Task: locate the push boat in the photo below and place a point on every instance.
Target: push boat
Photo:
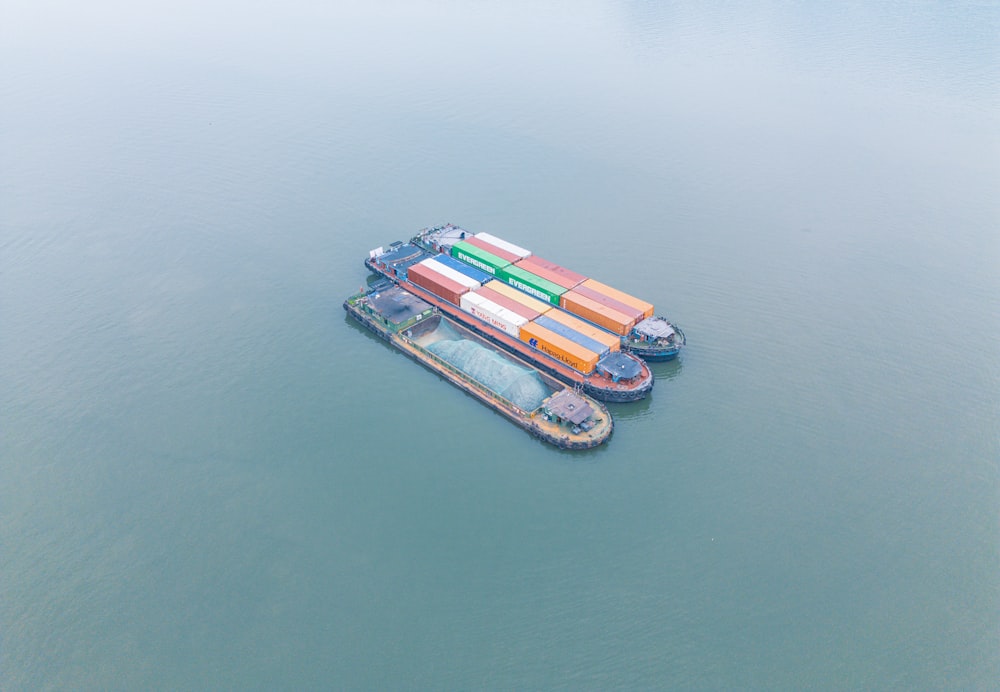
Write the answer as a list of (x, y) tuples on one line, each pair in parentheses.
[(552, 340), (643, 333), (539, 404)]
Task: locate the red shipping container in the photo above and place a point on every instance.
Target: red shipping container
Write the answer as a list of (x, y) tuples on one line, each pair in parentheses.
[(560, 276), (493, 249), (436, 283)]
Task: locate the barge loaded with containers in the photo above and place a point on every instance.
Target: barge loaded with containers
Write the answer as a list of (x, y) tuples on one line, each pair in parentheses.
[(539, 404), (641, 332), (554, 341)]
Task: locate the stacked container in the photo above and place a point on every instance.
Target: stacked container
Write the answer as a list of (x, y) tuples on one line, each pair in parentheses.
[(499, 247), (576, 337), (617, 296), (532, 284), (478, 257), (442, 281), (558, 275), (598, 313), (521, 297), (479, 275), (502, 300), (493, 313), (559, 347), (606, 339)]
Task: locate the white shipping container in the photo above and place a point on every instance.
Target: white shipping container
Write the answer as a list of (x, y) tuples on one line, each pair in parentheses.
[(445, 270), (503, 245), (491, 313)]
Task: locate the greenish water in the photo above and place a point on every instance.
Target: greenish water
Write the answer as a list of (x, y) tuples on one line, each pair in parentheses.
[(211, 478)]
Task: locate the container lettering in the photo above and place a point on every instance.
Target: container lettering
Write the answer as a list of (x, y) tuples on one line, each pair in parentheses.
[(476, 263)]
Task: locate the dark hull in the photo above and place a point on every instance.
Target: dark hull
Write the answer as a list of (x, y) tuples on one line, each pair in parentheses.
[(517, 417)]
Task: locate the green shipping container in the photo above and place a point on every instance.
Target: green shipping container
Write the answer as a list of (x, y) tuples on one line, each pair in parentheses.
[(531, 283), (481, 259)]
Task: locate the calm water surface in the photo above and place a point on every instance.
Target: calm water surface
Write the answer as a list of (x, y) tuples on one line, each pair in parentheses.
[(209, 478)]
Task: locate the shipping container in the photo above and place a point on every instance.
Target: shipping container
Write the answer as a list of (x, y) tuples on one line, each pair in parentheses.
[(492, 313), (479, 275), (492, 249), (470, 254), (550, 270), (436, 283), (559, 347), (520, 296), (609, 340), (633, 312), (511, 304), (597, 313), (456, 276), (571, 334), (531, 283), (647, 308), (503, 245)]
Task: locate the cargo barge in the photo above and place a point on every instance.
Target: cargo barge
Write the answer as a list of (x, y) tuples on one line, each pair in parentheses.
[(647, 335), (552, 340), (556, 415)]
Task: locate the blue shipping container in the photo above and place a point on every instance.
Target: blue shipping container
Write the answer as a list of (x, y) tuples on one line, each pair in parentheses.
[(573, 335), (467, 269)]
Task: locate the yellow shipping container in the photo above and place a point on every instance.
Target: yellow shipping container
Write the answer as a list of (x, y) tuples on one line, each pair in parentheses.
[(586, 328), (559, 347), (523, 298), (647, 308)]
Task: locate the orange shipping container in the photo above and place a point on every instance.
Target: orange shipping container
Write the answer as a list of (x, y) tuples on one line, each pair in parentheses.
[(596, 312), (586, 328), (634, 313), (520, 296), (559, 347), (647, 308)]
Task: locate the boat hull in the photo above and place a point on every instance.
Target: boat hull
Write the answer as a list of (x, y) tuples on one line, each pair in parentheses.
[(428, 240), (538, 428), (602, 389)]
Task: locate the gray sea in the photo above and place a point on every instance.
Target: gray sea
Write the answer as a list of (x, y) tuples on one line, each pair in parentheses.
[(211, 479)]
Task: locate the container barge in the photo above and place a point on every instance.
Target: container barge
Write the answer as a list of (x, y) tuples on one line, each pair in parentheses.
[(552, 340), (647, 335), (554, 414)]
